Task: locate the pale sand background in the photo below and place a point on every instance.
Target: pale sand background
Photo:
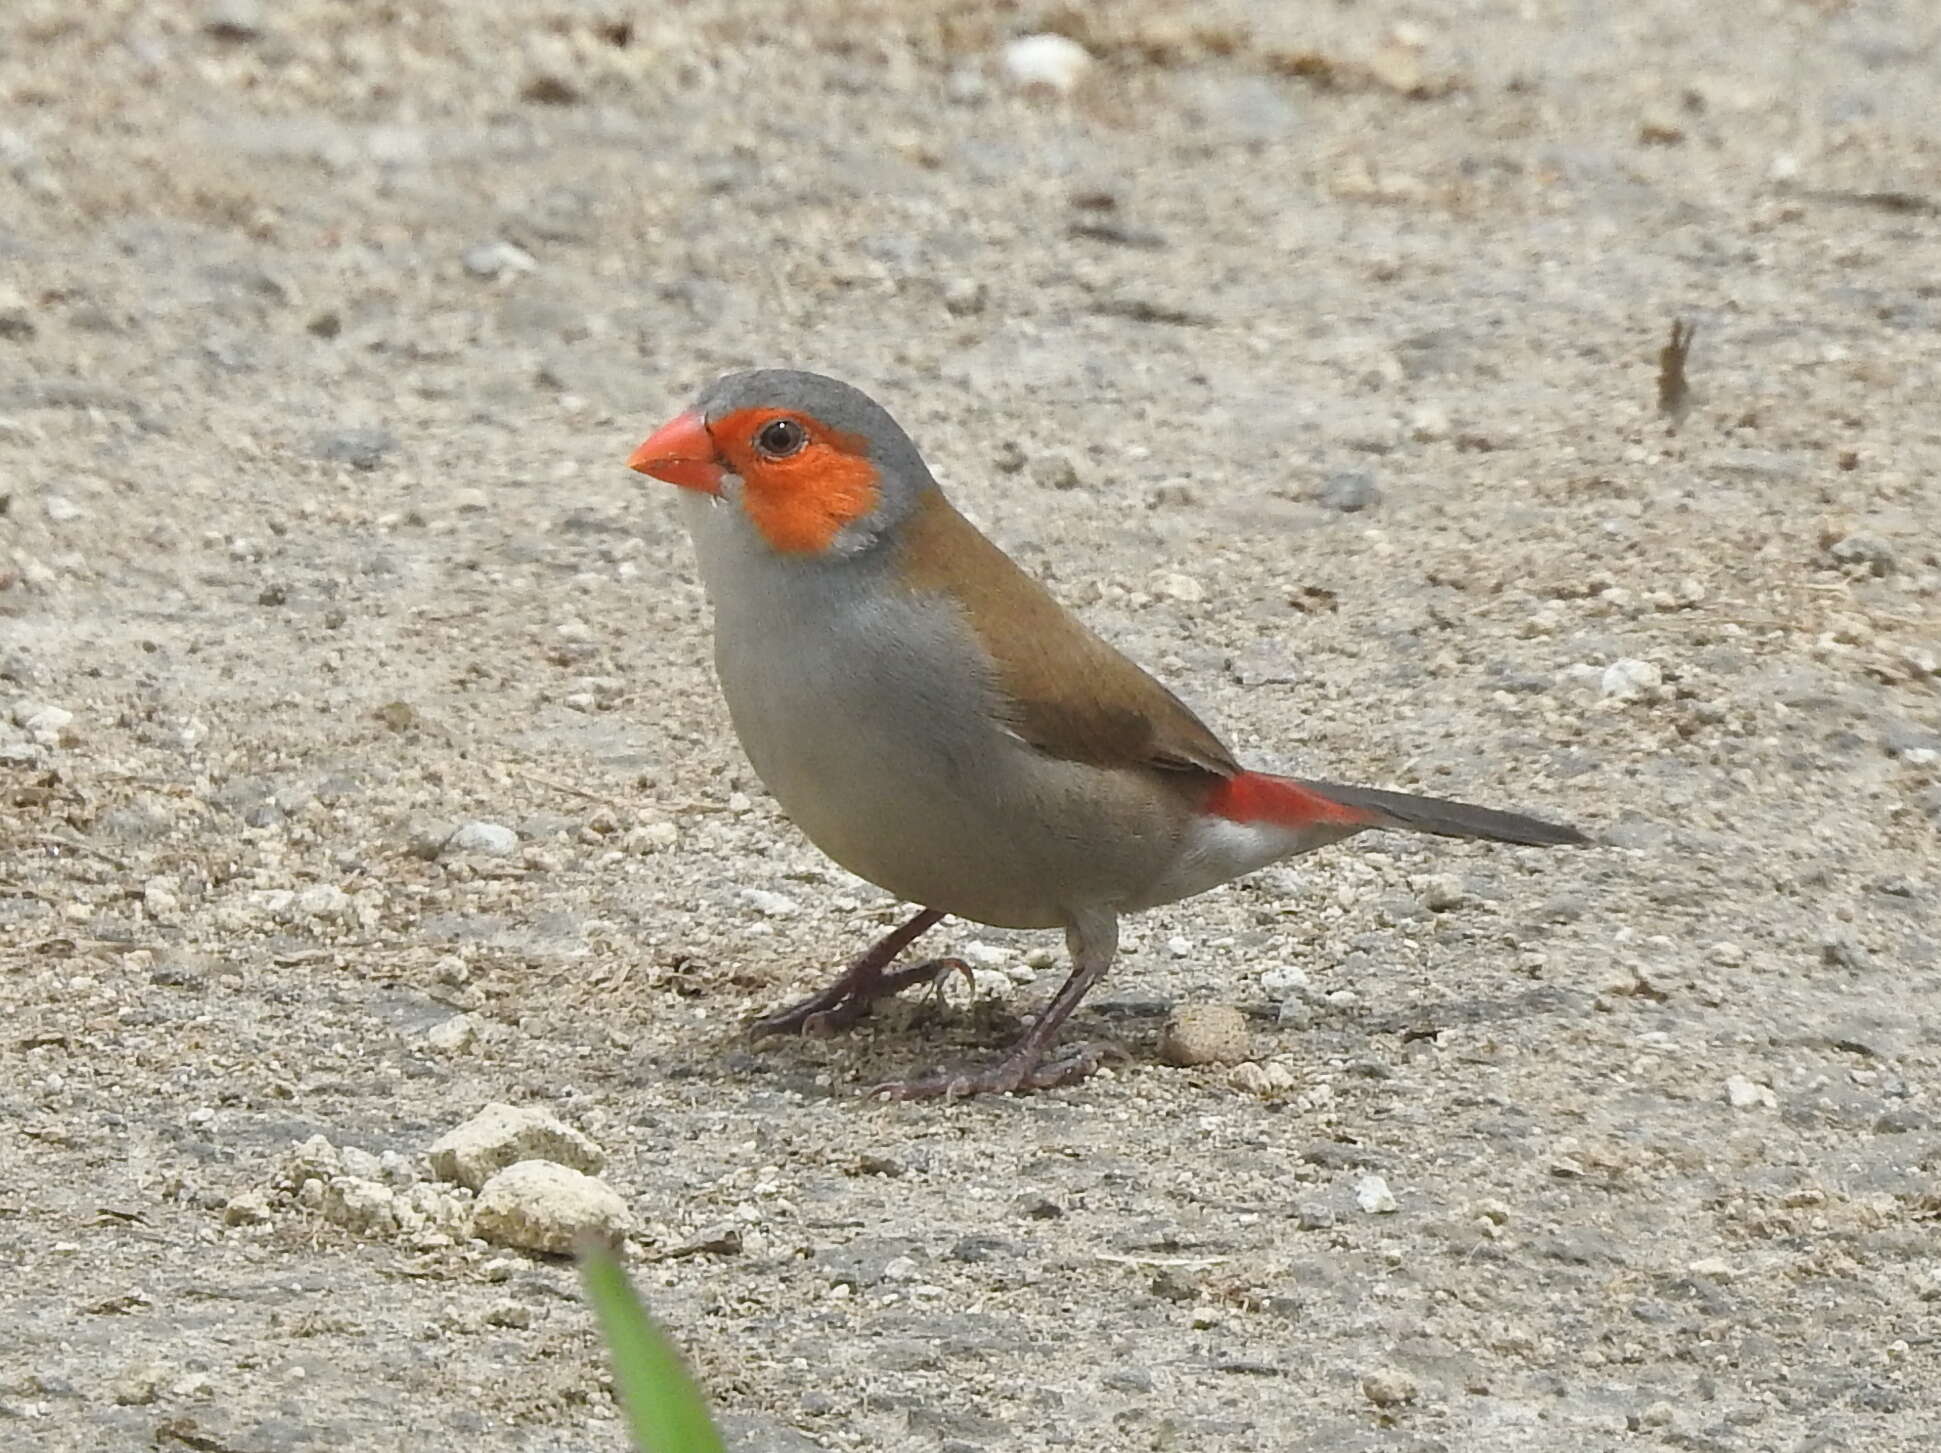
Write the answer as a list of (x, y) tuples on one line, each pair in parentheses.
[(287, 438)]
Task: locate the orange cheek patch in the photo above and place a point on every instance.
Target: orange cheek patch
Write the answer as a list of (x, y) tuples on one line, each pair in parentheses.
[(800, 504)]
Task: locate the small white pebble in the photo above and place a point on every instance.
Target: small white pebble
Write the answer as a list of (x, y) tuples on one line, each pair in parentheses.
[(395, 1166), (1263, 1080), (488, 839), (770, 905), (324, 900), (1283, 979), (454, 1035), (1052, 61), (653, 837), (42, 722), (1180, 587), (1429, 423), (990, 983), (1744, 1094), (1373, 1196), (1629, 678), (497, 259), (1440, 892)]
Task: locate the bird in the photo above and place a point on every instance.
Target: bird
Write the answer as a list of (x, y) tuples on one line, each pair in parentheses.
[(936, 722)]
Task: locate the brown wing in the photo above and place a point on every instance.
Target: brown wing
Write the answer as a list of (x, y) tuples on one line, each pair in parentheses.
[(1071, 695)]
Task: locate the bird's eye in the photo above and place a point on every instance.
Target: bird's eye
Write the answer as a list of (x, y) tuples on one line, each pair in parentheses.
[(779, 438)]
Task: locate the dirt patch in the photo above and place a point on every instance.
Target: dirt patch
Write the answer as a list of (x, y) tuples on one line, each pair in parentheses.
[(360, 764)]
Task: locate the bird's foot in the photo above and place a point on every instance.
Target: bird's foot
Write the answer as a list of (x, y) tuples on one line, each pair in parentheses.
[(1022, 1070), (849, 999)]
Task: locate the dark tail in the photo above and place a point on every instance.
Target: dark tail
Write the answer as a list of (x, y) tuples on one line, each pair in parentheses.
[(1450, 819)]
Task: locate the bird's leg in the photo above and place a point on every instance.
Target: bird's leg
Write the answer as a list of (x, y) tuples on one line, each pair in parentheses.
[(1092, 940), (863, 982)]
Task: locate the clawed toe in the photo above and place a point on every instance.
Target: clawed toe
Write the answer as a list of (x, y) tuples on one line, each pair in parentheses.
[(1080, 1062), (815, 1017), (1029, 1066), (849, 998), (845, 1002)]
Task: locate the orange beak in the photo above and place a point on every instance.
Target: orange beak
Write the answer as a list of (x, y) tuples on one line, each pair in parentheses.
[(681, 452)]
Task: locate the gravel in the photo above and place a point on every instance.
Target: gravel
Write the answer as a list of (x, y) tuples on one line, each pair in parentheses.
[(325, 332)]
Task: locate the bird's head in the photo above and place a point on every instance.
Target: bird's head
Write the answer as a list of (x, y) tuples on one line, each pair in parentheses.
[(818, 467)]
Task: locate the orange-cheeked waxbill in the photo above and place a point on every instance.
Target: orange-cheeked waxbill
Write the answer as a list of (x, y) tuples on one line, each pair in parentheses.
[(938, 724)]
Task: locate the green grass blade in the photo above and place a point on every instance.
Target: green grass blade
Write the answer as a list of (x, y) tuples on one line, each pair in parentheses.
[(664, 1409)]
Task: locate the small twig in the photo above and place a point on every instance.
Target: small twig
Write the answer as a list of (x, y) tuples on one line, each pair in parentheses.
[(1162, 1261), (1674, 392), (569, 789), (75, 844), (610, 980), (1884, 201), (153, 784), (1751, 623)]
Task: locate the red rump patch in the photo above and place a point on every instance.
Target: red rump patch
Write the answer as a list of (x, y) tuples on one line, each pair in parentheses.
[(1257, 797)]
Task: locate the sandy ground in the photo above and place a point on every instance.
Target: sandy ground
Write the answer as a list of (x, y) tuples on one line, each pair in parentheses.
[(324, 329)]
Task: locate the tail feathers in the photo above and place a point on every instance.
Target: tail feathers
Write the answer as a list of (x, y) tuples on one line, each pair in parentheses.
[(1439, 816), (1252, 819)]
